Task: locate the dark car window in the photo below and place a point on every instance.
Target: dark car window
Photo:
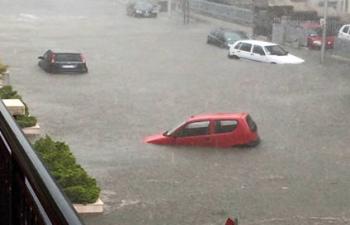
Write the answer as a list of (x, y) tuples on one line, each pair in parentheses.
[(311, 32), (319, 32), (251, 123), (224, 126), (346, 29), (144, 5), (194, 129), (218, 34), (63, 57), (213, 32), (238, 45), (46, 55), (258, 50), (275, 50), (246, 47), (232, 37)]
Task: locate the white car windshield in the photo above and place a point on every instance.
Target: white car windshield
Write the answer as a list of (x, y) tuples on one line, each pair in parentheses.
[(275, 50)]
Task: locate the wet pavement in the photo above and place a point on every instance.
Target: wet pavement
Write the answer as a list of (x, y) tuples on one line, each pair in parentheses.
[(146, 75)]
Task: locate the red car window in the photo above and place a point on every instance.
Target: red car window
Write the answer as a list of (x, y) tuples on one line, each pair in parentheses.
[(251, 123), (225, 126), (194, 129)]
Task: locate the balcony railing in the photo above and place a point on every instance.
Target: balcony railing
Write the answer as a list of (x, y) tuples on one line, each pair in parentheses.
[(28, 194)]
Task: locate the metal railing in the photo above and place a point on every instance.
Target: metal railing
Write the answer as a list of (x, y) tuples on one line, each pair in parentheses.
[(28, 194), (224, 12)]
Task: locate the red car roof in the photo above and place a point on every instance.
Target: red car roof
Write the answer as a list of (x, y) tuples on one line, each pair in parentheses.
[(211, 116), (310, 25)]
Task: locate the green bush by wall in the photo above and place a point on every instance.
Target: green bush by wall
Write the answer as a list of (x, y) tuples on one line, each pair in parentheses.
[(25, 120), (3, 68), (59, 160)]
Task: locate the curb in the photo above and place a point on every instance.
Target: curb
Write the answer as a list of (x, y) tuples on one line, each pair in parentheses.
[(93, 208)]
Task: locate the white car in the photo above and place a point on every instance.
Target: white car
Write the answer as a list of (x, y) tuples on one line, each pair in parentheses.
[(263, 52), (344, 32)]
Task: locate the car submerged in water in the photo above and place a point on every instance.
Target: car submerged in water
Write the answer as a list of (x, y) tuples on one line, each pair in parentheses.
[(62, 62), (262, 51), (211, 130), (224, 37), (142, 8)]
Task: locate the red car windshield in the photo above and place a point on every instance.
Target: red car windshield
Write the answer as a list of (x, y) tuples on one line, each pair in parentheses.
[(318, 32), (172, 131)]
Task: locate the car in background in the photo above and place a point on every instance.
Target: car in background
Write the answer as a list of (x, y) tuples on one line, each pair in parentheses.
[(142, 8), (262, 51), (211, 130), (62, 62), (224, 37), (314, 34), (344, 32)]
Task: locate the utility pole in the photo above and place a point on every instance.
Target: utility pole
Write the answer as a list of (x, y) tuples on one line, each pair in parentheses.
[(169, 8), (324, 29), (186, 11)]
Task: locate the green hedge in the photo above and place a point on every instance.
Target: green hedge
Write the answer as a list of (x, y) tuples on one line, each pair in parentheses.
[(3, 68), (59, 160), (7, 92), (25, 120)]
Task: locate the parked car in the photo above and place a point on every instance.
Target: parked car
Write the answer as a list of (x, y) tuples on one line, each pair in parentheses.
[(224, 37), (262, 52), (213, 130), (314, 34), (142, 8), (62, 62), (344, 32)]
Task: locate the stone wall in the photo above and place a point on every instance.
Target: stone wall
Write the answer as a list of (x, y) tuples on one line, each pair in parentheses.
[(224, 12)]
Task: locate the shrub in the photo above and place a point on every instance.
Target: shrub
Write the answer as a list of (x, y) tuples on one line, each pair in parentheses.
[(3, 68), (7, 92), (25, 120), (59, 160)]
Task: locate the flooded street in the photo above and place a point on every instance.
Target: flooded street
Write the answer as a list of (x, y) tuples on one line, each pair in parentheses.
[(147, 75)]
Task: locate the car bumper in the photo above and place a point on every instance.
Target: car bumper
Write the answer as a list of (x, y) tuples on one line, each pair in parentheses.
[(254, 142), (145, 14), (80, 68), (319, 46)]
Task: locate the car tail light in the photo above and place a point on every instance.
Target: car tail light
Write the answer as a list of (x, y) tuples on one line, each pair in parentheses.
[(82, 58), (53, 58)]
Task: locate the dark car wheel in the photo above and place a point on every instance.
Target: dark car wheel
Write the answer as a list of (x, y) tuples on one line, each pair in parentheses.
[(232, 56), (253, 143)]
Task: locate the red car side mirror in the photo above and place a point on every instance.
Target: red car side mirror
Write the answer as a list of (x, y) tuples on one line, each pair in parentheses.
[(229, 221)]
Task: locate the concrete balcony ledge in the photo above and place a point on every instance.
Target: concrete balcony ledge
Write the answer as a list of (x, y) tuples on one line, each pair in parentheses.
[(34, 130), (93, 208), (14, 106), (4, 79)]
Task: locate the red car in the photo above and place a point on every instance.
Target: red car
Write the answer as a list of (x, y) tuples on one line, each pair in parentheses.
[(212, 130), (314, 36)]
